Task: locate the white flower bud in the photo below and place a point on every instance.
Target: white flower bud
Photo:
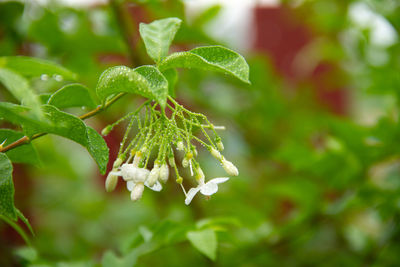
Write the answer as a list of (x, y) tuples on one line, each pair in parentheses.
[(111, 182), (171, 161), (137, 191), (215, 153), (185, 162), (180, 146), (220, 145), (229, 167), (153, 176), (164, 173), (141, 175), (117, 163)]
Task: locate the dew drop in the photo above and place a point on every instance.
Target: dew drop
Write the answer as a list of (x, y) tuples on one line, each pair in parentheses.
[(58, 77), (44, 77)]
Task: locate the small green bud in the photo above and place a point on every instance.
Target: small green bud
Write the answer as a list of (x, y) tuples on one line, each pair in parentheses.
[(189, 155), (220, 146), (194, 150), (179, 180), (106, 130)]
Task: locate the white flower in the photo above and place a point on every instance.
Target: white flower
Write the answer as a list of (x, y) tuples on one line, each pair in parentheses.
[(207, 189), (229, 167), (136, 179), (127, 171), (156, 187)]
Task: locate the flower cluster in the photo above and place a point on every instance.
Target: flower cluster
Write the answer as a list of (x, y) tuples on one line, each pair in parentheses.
[(155, 136)]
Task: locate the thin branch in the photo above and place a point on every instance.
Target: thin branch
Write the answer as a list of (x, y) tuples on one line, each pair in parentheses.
[(125, 25), (26, 139)]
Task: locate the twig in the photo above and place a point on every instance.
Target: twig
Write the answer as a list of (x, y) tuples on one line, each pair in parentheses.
[(125, 25)]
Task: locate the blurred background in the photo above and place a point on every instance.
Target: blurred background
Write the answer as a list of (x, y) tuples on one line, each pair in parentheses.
[(316, 136)]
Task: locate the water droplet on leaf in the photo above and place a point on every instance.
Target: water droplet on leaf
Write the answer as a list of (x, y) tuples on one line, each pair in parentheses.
[(44, 77)]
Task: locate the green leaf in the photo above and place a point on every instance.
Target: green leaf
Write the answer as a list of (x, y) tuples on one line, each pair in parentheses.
[(25, 220), (28, 254), (34, 67), (73, 128), (72, 95), (158, 36), (204, 241), (44, 98), (98, 148), (214, 58), (19, 115), (121, 79), (146, 81), (207, 15), (21, 154), (62, 124), (7, 208), (157, 82), (111, 260), (20, 89)]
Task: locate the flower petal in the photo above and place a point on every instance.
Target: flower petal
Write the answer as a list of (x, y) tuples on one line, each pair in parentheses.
[(156, 187), (219, 180), (209, 188), (130, 185), (128, 171), (190, 195), (141, 175)]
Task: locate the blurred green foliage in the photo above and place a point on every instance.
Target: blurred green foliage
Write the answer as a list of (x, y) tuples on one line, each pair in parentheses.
[(315, 188)]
